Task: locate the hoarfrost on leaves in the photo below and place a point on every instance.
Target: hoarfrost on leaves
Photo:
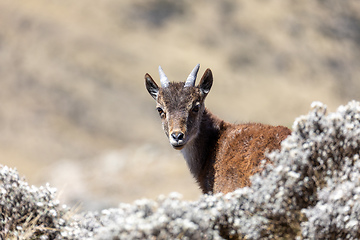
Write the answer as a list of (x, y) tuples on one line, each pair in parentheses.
[(27, 210)]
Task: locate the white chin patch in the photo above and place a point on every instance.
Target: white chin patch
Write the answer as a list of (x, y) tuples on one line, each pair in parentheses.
[(178, 145)]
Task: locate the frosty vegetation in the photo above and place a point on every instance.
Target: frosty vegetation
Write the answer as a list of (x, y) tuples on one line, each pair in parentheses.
[(312, 191)]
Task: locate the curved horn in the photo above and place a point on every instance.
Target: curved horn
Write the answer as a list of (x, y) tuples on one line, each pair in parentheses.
[(163, 78), (190, 81)]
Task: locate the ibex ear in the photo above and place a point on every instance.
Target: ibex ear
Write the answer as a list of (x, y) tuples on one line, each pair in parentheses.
[(151, 86), (206, 82)]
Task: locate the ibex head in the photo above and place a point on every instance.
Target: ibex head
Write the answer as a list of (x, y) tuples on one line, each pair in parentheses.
[(180, 105)]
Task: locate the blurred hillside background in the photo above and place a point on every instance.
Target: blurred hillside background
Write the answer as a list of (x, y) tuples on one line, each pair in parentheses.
[(74, 111)]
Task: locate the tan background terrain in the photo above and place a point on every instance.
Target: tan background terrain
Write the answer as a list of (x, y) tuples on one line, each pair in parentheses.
[(74, 111)]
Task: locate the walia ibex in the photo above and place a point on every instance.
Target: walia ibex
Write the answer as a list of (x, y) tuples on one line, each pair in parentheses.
[(220, 155)]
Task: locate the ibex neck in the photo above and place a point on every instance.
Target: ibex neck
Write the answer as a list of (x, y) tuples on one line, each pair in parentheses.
[(200, 152)]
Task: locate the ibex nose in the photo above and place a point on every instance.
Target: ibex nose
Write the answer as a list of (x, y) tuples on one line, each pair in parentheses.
[(177, 136)]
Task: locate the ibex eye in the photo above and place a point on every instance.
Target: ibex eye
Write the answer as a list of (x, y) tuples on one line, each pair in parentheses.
[(160, 111), (196, 108)]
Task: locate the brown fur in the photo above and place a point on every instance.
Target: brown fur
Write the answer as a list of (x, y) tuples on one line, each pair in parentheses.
[(220, 155), (240, 150)]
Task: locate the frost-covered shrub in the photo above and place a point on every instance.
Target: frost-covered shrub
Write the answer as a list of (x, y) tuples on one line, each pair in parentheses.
[(316, 171), (311, 191), (27, 212)]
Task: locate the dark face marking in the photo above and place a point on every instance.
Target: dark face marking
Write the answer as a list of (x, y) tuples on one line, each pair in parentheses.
[(180, 110)]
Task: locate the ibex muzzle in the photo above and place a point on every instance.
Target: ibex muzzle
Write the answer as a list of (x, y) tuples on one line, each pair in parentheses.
[(180, 105)]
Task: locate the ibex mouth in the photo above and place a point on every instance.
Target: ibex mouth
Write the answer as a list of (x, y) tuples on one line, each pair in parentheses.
[(178, 146)]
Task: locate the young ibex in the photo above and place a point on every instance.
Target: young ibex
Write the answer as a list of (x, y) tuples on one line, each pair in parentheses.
[(220, 155)]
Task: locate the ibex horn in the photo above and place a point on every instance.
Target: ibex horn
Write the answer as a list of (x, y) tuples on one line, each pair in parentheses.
[(163, 78), (190, 81)]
